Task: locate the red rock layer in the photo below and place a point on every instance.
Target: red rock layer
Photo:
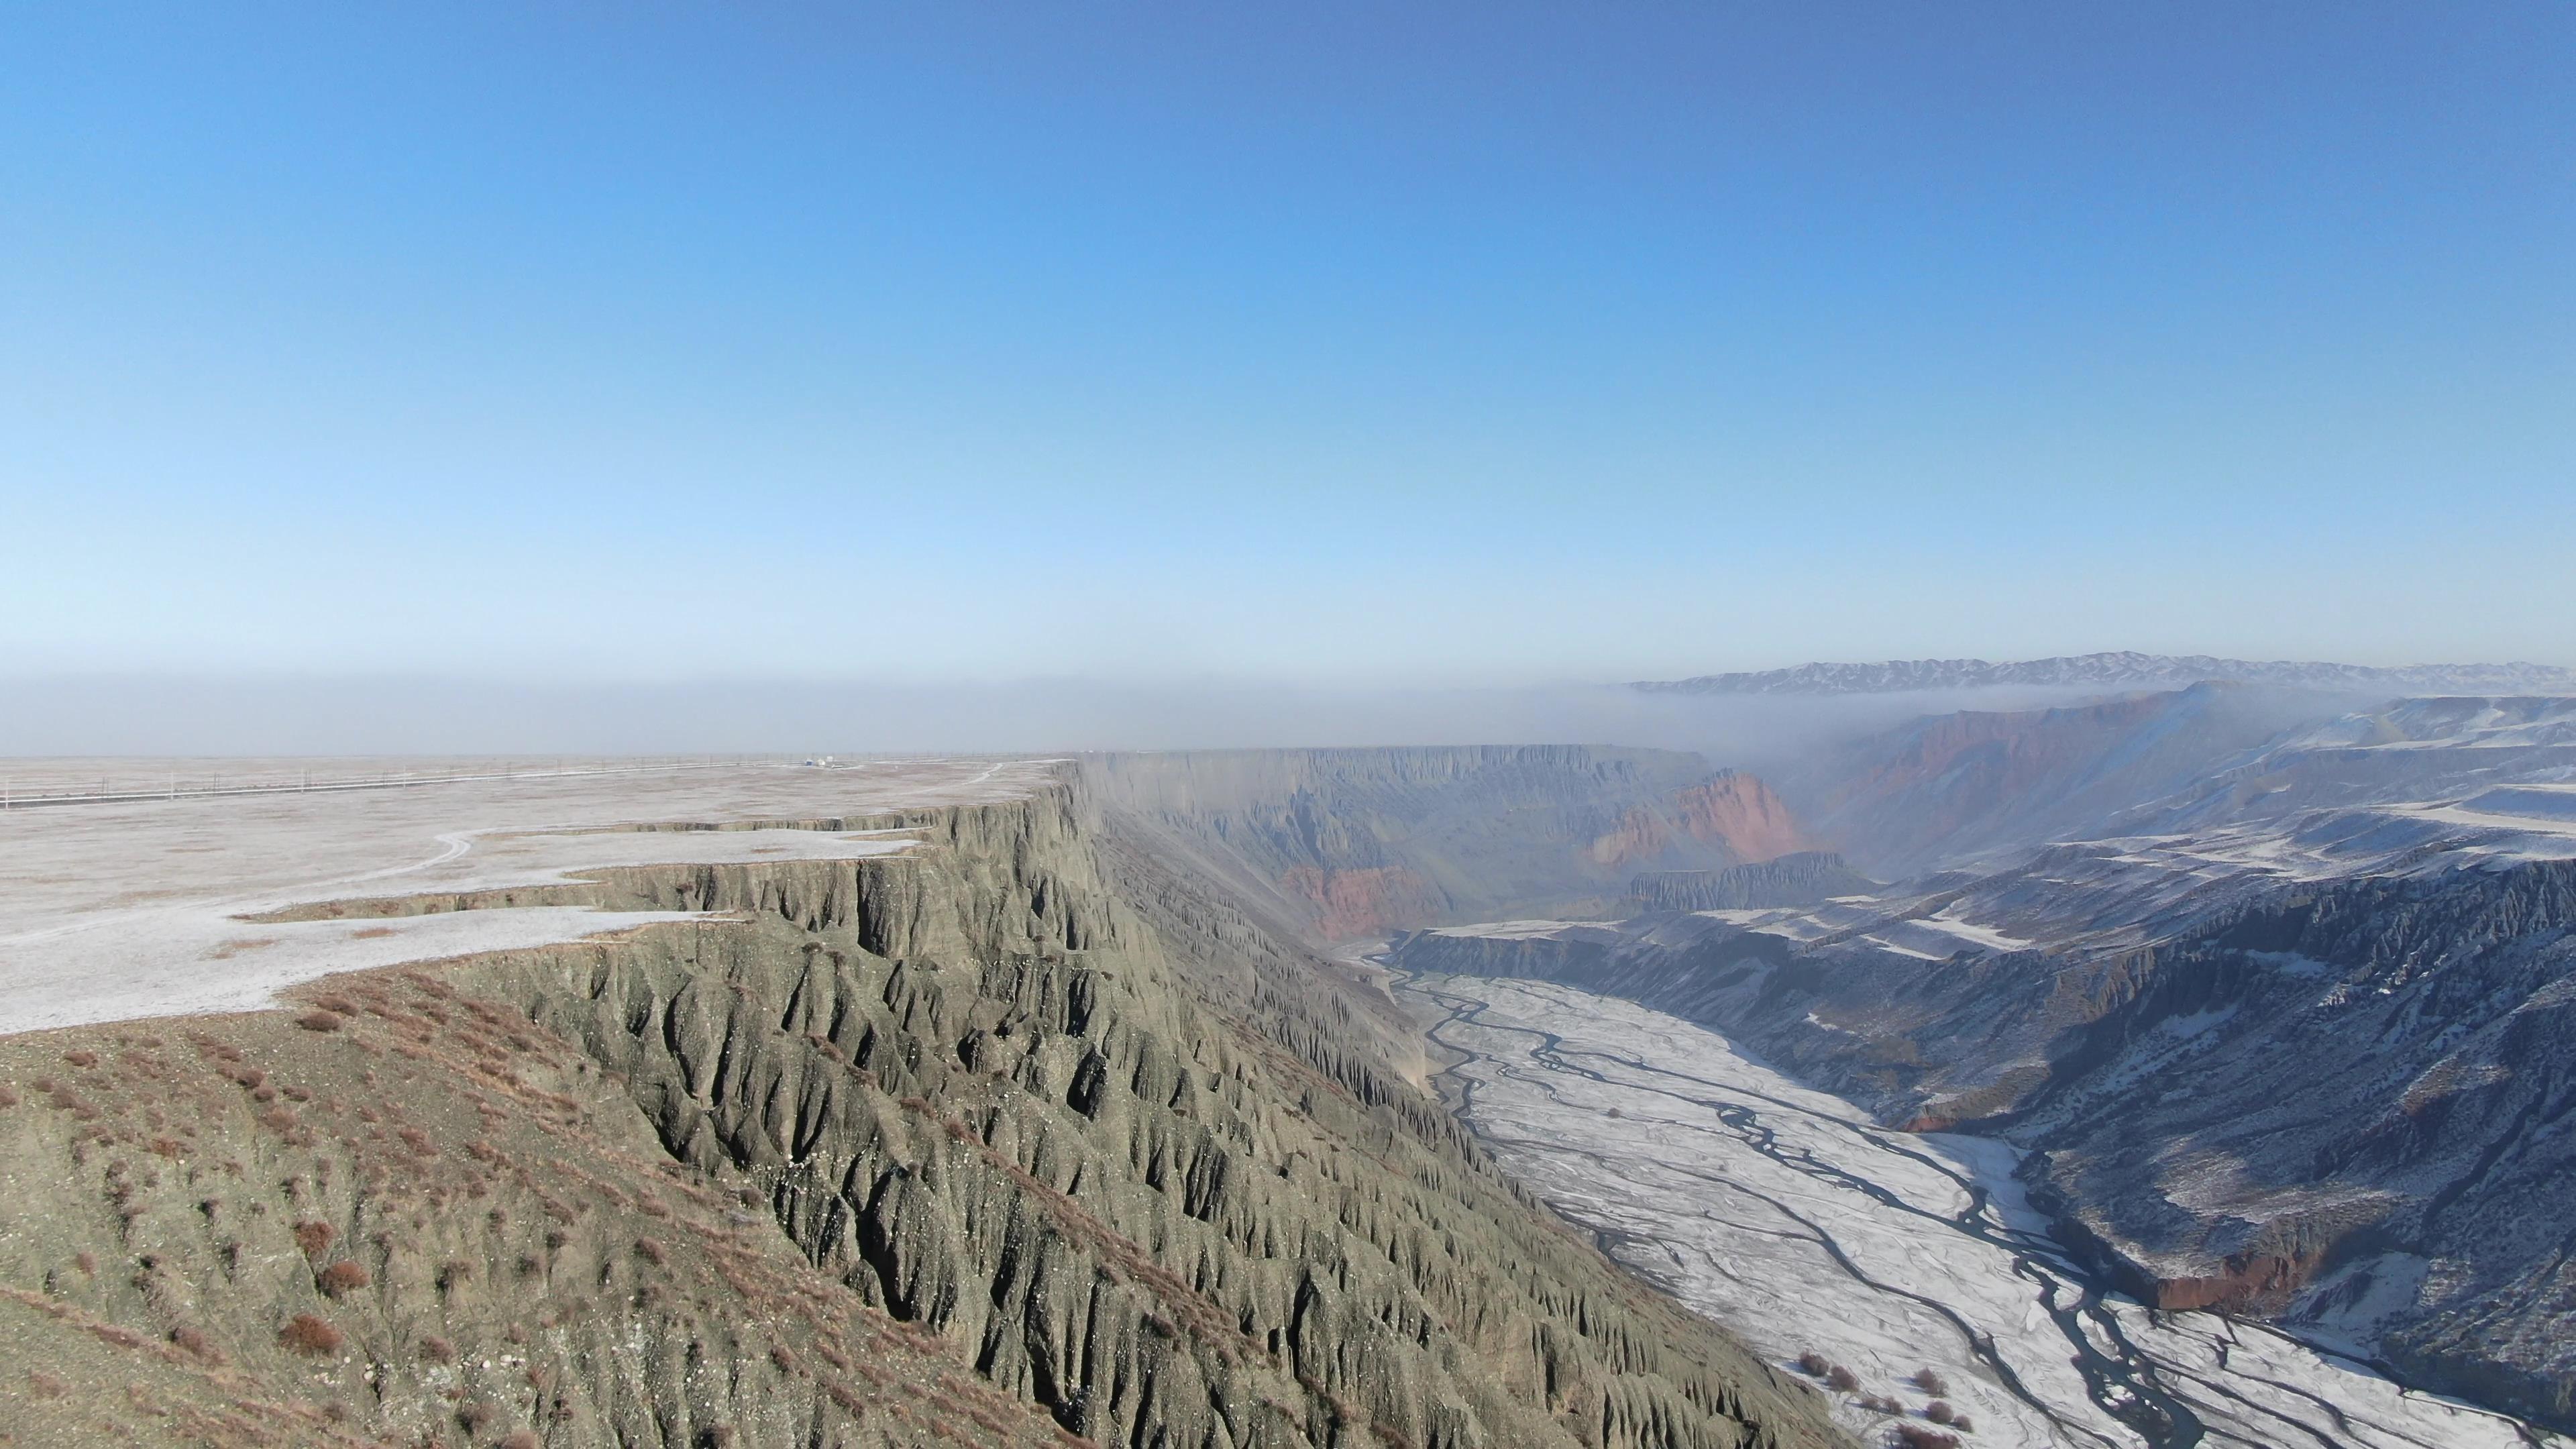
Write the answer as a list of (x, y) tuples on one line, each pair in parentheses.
[(1352, 904), (1735, 810)]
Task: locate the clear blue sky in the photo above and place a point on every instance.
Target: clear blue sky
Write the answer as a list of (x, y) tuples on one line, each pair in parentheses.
[(1308, 340)]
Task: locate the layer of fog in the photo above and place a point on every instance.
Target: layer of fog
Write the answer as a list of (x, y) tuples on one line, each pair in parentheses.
[(210, 716)]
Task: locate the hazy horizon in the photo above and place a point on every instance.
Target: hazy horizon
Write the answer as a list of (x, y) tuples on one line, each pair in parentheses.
[(170, 716)]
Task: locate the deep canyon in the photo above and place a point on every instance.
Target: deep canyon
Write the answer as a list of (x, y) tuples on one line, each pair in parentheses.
[(2150, 1071)]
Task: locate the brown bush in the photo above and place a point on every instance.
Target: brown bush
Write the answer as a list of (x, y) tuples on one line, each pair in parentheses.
[(1841, 1380), (318, 1020), (8, 1098), (521, 1439), (305, 1333), (1939, 1412), (650, 1250), (437, 1349), (1964, 1424), (341, 1004), (191, 1341), (1813, 1364), (1915, 1436), (45, 1386), (342, 1277), (784, 1357), (315, 1237), (82, 1058), (1931, 1383)]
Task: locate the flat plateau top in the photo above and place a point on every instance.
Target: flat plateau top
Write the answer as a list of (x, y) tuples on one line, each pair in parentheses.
[(137, 908)]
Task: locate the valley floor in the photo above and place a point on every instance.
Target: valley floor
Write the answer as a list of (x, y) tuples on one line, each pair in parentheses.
[(1789, 1215)]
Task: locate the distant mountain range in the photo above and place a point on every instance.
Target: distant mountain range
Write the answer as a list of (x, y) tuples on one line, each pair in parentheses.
[(2126, 670)]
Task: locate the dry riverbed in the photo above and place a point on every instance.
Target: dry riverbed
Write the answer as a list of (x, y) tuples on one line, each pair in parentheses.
[(1906, 1259)]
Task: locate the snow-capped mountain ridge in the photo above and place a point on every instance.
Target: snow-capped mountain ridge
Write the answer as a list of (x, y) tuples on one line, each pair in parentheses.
[(2126, 669)]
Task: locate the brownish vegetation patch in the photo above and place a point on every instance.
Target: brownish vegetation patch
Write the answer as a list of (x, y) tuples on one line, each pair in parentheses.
[(307, 1334)]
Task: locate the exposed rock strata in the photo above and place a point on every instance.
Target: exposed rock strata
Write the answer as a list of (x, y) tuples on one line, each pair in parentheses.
[(1800, 879), (1031, 1116), (1350, 843)]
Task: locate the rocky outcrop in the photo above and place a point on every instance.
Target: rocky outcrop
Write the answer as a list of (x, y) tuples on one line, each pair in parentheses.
[(1800, 879), (1031, 1119)]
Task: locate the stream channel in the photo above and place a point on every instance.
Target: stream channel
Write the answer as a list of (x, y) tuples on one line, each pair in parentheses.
[(1790, 1216)]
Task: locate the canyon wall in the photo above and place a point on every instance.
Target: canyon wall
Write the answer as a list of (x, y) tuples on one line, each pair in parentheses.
[(1349, 844), (1032, 1132)]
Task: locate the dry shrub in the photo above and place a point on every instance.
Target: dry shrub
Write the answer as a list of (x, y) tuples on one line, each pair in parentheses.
[(194, 1342), (342, 1277), (318, 1020), (1881, 1403), (45, 1386), (341, 1004), (1963, 1424), (305, 1333), (1931, 1383), (650, 1250), (1813, 1364), (86, 1263), (472, 1417), (1940, 1413), (8, 1098), (170, 1147), (783, 1356), (81, 1058), (521, 1439), (437, 1349), (315, 1237), (1841, 1380), (1915, 1436)]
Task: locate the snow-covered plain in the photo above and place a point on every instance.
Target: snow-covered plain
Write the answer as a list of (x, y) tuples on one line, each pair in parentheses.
[(153, 908), (1787, 1214)]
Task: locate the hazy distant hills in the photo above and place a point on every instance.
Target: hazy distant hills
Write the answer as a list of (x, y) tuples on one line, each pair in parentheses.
[(2126, 670)]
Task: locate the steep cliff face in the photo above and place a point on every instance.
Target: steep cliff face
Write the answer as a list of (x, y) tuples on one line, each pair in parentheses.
[(1029, 1124), (1348, 844)]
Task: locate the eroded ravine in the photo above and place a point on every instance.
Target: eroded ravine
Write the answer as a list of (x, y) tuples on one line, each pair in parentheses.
[(1790, 1215)]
